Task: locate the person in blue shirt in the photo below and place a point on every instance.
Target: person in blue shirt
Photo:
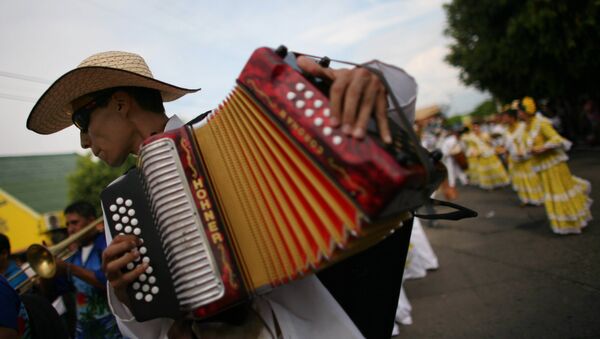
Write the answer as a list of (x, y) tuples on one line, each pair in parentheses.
[(94, 319), (13, 317), (8, 267)]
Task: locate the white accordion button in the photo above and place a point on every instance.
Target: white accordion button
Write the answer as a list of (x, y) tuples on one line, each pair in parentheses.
[(134, 221), (146, 288), (143, 250), (300, 87), (113, 207), (115, 217), (309, 112), (146, 259), (318, 121), (130, 266), (125, 219), (127, 229), (149, 270), (327, 112), (327, 130), (128, 202), (148, 297), (136, 285), (119, 201), (318, 103), (300, 103), (137, 231), (122, 210), (152, 279), (142, 277), (309, 94), (119, 227), (154, 290), (131, 212), (337, 140), (291, 95), (139, 296)]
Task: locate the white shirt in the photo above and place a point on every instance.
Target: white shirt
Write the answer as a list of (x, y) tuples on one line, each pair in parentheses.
[(304, 308)]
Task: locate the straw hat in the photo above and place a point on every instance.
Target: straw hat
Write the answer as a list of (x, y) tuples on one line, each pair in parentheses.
[(52, 112), (427, 112)]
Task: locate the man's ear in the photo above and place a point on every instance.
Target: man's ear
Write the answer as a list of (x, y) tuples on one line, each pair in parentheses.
[(122, 102)]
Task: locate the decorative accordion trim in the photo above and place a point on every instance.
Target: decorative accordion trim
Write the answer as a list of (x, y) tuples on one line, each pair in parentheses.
[(195, 275)]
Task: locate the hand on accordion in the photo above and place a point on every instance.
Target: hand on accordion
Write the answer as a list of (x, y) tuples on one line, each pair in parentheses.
[(354, 95), (121, 251)]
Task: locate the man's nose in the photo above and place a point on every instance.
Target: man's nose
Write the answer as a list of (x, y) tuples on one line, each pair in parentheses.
[(85, 140)]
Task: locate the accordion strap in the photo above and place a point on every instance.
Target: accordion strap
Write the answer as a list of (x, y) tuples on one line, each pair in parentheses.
[(460, 213)]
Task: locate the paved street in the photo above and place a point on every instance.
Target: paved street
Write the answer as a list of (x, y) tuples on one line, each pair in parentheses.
[(506, 275)]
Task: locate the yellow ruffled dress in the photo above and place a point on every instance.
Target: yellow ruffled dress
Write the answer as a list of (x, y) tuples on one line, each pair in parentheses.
[(525, 181), (566, 196), (485, 168)]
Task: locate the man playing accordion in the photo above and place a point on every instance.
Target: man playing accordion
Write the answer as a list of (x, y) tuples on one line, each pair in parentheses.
[(116, 103)]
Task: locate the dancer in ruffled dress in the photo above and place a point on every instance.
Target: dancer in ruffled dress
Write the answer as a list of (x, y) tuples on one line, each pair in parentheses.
[(525, 181), (566, 196), (485, 168)]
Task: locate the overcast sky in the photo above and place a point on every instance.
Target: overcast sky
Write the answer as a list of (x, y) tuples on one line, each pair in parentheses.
[(205, 44)]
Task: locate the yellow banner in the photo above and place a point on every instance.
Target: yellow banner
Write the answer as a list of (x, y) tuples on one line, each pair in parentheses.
[(22, 225)]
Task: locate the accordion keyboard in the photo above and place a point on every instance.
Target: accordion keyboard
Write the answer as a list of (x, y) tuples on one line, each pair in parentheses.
[(152, 203)]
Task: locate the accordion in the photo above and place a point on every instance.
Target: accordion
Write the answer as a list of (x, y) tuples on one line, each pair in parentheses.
[(260, 192)]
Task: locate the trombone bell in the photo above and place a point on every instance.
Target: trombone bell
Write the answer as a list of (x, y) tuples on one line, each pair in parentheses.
[(41, 261)]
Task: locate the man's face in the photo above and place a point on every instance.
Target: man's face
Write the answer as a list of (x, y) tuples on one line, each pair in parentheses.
[(75, 222), (109, 133)]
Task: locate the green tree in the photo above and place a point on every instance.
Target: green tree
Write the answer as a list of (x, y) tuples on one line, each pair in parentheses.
[(487, 107), (542, 48), (92, 176)]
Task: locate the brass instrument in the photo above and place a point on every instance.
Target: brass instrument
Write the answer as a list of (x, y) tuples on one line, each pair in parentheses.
[(42, 259)]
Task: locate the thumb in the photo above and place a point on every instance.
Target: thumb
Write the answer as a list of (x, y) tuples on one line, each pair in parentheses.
[(311, 67)]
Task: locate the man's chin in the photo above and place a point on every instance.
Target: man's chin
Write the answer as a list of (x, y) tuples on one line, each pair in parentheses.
[(114, 162)]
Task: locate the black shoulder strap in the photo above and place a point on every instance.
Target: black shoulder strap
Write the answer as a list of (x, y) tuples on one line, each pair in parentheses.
[(460, 213)]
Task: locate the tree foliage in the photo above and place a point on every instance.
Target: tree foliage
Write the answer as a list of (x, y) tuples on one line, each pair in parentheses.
[(91, 176), (484, 109), (513, 48)]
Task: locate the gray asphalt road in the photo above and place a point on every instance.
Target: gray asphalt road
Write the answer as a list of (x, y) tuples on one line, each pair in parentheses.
[(506, 275)]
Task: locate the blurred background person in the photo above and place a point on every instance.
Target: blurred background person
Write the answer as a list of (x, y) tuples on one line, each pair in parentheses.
[(8, 266), (525, 180), (566, 197), (84, 268)]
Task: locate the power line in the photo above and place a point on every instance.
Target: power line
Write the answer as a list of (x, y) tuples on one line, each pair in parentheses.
[(24, 77), (17, 97)]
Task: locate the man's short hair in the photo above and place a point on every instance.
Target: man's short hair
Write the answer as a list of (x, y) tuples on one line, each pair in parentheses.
[(4, 243), (148, 98), (83, 208)]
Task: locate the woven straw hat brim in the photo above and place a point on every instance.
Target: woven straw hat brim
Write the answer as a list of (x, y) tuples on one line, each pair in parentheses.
[(427, 112), (52, 112)]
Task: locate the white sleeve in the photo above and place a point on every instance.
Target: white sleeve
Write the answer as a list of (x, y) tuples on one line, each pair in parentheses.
[(129, 327), (305, 309), (403, 88)]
